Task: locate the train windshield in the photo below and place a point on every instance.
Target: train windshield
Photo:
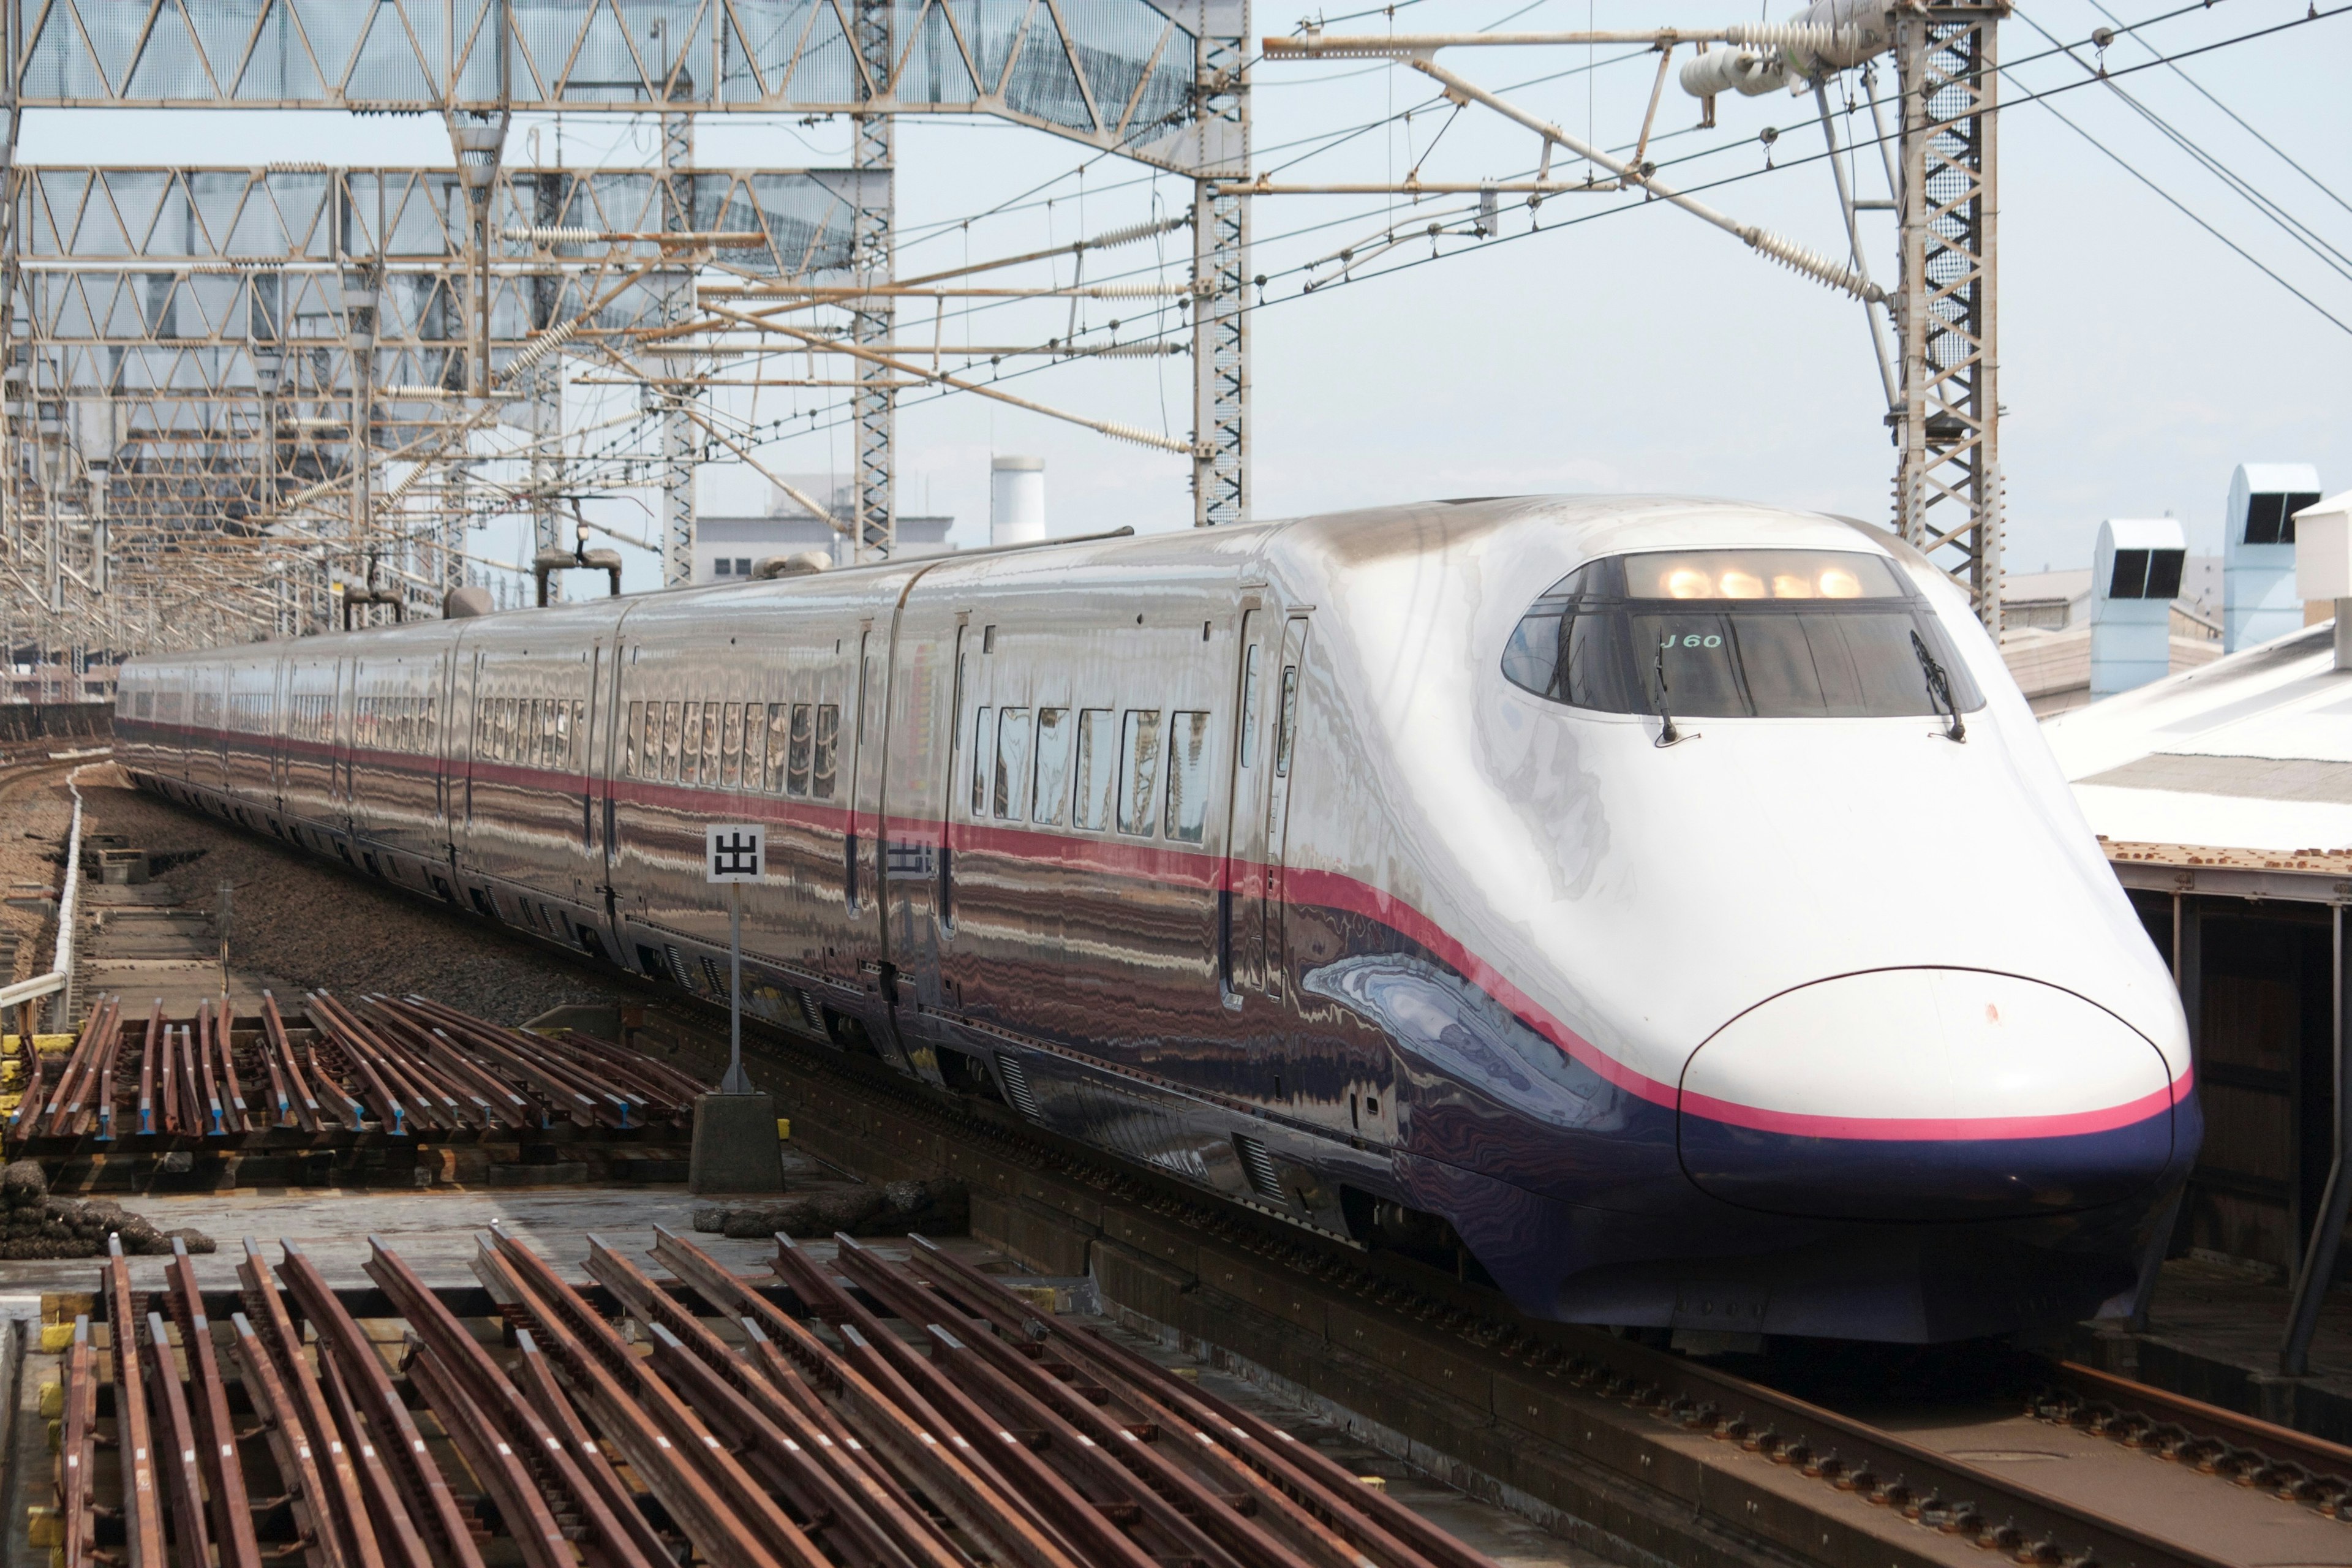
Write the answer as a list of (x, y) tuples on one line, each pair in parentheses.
[(1730, 633)]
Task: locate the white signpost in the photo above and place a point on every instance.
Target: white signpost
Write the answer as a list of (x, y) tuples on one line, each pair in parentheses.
[(735, 853)]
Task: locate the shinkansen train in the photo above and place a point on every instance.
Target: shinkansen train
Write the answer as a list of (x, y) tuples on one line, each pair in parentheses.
[(1665, 908)]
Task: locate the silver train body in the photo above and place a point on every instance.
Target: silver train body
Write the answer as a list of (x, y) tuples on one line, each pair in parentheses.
[(1341, 866)]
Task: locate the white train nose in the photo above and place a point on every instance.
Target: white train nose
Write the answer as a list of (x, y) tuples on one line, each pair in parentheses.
[(1925, 1094)]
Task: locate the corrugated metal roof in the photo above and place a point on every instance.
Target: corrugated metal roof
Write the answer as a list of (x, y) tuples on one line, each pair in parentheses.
[(2252, 752)]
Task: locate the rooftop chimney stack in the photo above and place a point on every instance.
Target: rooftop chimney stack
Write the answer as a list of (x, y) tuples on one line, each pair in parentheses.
[(2135, 577), (1016, 501), (2258, 597), (2323, 563)]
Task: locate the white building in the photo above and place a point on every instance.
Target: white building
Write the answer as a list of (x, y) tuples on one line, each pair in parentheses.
[(728, 547)]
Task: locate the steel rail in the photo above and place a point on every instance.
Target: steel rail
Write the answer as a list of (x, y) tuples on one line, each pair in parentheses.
[(539, 1384), (222, 1471), (727, 1391), (1207, 1524), (722, 1509), (501, 1104), (1368, 1520), (184, 1477), (360, 1386), (302, 1105), (298, 1460), (142, 1511), (887, 1415), (157, 1042), (505, 1441), (2293, 1465), (1071, 1512), (78, 1451), (347, 1509)]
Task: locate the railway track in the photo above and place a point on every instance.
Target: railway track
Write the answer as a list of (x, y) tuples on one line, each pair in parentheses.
[(1674, 1455), (2093, 1511)]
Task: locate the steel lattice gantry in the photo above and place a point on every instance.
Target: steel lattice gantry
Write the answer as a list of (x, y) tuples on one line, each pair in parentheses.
[(1163, 81), (1947, 487), (199, 346)]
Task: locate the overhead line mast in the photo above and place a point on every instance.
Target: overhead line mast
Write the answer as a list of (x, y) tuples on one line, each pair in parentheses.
[(1944, 411)]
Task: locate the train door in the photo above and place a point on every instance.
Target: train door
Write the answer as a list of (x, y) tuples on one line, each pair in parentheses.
[(466, 737), (861, 787), (1288, 684), (339, 769), (588, 730), (1241, 909)]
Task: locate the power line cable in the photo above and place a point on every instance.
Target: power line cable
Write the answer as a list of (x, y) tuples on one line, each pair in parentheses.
[(2299, 231)]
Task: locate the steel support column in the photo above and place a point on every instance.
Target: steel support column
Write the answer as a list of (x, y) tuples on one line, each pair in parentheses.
[(678, 515), (1221, 270), (1947, 501), (873, 258)]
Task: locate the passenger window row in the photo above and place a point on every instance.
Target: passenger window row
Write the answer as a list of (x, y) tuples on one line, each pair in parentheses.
[(1022, 766), (396, 725), (775, 748), (310, 717), (536, 731), (249, 712)]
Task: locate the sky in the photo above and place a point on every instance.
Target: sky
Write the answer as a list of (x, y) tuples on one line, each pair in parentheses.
[(1596, 343)]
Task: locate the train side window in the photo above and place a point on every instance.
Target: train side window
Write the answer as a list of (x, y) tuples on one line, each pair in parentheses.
[(1139, 770), (730, 747), (983, 751), (1187, 777), (709, 743), (545, 712), (635, 733), (649, 743), (689, 756), (1012, 761), (563, 734), (796, 762), (1286, 720), (828, 746), (778, 725), (1097, 767), (432, 723), (673, 742), (755, 746), (1052, 797)]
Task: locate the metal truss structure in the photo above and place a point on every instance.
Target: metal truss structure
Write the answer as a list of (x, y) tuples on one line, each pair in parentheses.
[(234, 389), (218, 361), (1947, 484), (1941, 381)]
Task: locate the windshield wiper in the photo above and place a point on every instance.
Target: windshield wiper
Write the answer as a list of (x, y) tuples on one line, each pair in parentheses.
[(1668, 734), (1939, 690)]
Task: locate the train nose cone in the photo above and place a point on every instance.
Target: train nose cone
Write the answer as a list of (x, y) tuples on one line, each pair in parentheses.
[(1925, 1094)]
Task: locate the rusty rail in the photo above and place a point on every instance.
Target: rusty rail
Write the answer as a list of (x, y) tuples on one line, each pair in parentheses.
[(919, 1420)]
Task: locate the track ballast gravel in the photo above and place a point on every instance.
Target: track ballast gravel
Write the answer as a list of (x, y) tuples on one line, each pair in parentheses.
[(300, 920)]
